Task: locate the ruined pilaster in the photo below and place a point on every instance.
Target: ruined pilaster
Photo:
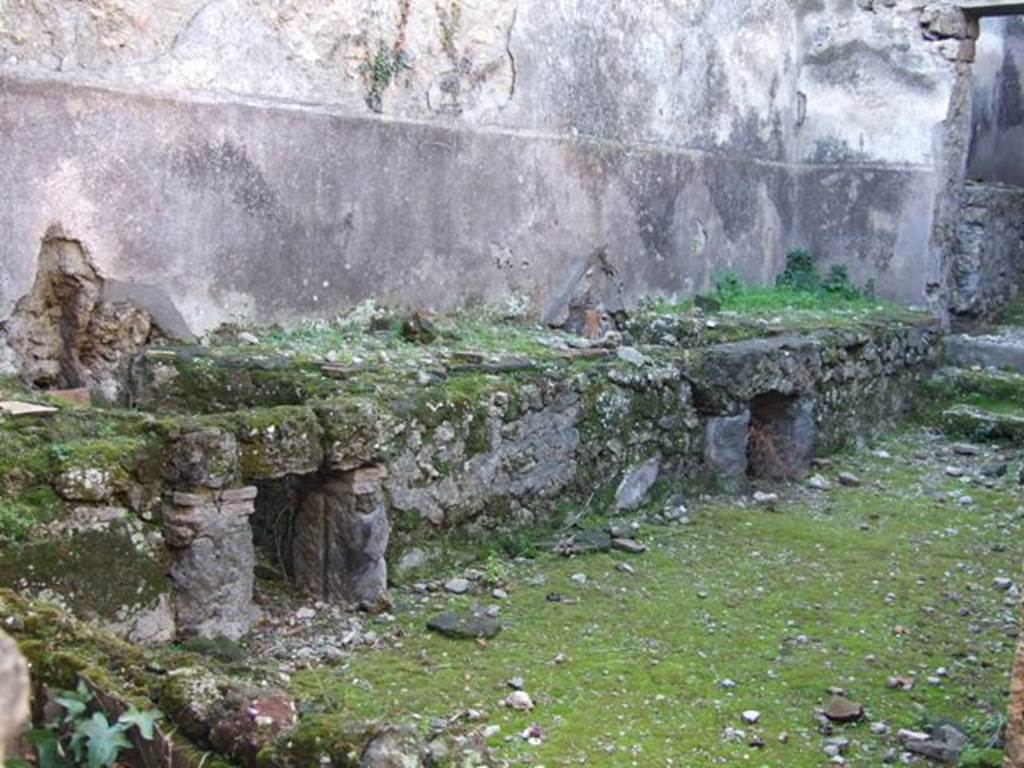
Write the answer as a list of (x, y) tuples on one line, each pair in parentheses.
[(341, 535), (211, 545)]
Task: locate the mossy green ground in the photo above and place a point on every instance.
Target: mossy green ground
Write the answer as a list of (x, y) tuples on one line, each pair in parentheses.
[(786, 602)]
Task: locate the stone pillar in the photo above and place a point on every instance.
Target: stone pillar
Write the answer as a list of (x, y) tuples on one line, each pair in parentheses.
[(14, 694), (341, 535), (211, 546)]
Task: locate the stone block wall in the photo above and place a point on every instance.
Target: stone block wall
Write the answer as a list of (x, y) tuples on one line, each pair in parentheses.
[(989, 269)]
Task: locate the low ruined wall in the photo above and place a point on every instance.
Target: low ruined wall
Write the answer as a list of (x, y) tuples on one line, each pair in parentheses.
[(989, 270), (384, 474)]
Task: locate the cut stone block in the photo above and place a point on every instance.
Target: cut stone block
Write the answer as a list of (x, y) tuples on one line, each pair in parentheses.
[(725, 447)]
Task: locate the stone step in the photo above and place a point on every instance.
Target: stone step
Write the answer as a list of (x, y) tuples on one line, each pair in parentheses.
[(1002, 351), (976, 423), (981, 384)]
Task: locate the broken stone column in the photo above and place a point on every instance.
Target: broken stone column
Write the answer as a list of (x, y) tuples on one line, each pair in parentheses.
[(211, 546), (14, 694), (341, 536)]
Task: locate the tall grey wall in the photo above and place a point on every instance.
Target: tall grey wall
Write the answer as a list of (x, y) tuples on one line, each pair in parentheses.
[(263, 161), (997, 138)]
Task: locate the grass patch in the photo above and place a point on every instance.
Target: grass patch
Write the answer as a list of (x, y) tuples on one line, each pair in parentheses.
[(785, 603)]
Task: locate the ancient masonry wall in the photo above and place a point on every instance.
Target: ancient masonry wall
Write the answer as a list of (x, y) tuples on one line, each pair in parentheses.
[(242, 160), (484, 451), (989, 270)]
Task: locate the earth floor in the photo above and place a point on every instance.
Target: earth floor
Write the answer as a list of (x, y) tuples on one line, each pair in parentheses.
[(839, 588)]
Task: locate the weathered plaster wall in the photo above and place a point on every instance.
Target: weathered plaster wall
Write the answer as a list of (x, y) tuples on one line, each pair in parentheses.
[(882, 83), (234, 155), (997, 140), (242, 159)]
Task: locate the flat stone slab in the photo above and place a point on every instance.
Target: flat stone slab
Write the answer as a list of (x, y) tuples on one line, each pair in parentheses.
[(1004, 351), (17, 409), (465, 626)]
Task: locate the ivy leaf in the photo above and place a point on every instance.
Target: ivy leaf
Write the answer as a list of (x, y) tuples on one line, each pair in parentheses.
[(144, 721), (75, 702), (73, 708), (104, 741), (48, 750)]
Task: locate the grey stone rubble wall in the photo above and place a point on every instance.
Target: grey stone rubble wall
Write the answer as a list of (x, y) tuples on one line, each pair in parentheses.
[(224, 160), (989, 269), (530, 459)]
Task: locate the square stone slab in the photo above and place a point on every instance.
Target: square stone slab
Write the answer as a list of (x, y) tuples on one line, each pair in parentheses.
[(17, 409)]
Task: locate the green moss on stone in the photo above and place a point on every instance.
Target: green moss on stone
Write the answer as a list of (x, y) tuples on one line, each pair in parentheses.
[(96, 573)]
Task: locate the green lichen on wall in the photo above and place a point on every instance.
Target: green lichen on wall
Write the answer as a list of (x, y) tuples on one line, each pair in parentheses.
[(278, 441), (211, 384)]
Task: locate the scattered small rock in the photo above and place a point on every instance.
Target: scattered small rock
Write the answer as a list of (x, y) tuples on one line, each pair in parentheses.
[(457, 586), (849, 480), (419, 328), (520, 701), (465, 626), (840, 709), (629, 546), (751, 716), (902, 683), (584, 543), (517, 683), (766, 499), (819, 482), (579, 578)]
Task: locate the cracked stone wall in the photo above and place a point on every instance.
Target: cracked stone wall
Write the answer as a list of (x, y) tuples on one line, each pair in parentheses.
[(264, 160)]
